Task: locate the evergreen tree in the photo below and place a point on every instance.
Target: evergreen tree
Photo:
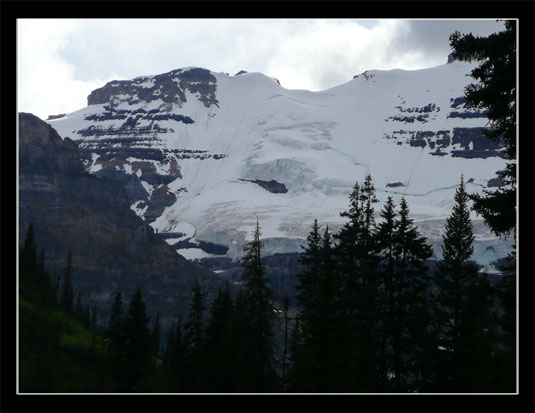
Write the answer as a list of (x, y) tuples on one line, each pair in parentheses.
[(308, 278), (319, 369), (28, 260), (328, 333), (136, 345), (168, 345), (244, 372), (156, 336), (386, 294), (176, 350), (219, 346), (260, 310), (505, 369), (194, 337), (495, 91), (285, 309), (411, 332), (478, 337), (357, 253), (115, 330), (67, 292), (456, 280), (307, 299), (295, 340), (295, 371), (43, 281)]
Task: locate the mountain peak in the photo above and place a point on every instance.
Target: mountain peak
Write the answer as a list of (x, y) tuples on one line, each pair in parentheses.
[(170, 87), (192, 145), (34, 131)]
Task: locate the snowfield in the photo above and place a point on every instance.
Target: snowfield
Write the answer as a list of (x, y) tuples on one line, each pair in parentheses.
[(317, 144)]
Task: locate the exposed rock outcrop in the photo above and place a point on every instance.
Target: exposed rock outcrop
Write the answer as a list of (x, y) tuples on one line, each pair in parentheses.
[(112, 247), (271, 186), (169, 87), (395, 185)]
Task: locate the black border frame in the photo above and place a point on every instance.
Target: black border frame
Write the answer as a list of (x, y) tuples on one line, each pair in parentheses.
[(524, 11)]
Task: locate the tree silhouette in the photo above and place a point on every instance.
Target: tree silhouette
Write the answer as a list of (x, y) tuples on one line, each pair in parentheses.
[(137, 344), (495, 91), (259, 302), (67, 292)]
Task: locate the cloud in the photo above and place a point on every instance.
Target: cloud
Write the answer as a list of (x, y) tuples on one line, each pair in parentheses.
[(431, 37), (45, 79), (61, 61)]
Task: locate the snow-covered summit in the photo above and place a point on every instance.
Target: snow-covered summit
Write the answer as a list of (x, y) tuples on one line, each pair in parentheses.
[(211, 152)]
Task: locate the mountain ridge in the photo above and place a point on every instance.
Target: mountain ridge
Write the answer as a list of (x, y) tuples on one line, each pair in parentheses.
[(195, 151), (112, 249)]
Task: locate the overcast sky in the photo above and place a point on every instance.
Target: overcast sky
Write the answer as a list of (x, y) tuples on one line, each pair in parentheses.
[(60, 61)]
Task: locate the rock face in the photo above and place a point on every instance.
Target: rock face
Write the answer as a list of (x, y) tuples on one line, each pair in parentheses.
[(170, 87), (271, 186), (112, 248)]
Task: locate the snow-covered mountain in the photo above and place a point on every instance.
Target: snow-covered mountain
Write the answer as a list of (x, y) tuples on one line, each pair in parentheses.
[(203, 154)]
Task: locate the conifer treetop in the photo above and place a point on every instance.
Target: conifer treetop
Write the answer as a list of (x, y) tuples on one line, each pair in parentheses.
[(458, 237)]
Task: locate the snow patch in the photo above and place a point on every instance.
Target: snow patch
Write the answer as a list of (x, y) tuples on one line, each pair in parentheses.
[(194, 253)]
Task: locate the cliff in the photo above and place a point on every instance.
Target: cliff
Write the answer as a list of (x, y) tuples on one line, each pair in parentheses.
[(112, 247)]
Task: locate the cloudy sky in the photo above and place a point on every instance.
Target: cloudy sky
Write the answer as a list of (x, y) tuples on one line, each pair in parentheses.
[(60, 61)]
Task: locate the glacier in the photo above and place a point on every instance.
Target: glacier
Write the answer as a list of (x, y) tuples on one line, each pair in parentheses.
[(194, 146)]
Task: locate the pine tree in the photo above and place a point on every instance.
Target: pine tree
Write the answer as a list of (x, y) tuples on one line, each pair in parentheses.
[(456, 280), (28, 260), (176, 350), (285, 310), (115, 330), (136, 345), (194, 337), (295, 340), (67, 292), (357, 253), (241, 380), (307, 299), (43, 281), (219, 346), (156, 336), (329, 329), (478, 337), (260, 310), (411, 312), (308, 278), (505, 369), (168, 345), (386, 232), (295, 371), (495, 90)]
